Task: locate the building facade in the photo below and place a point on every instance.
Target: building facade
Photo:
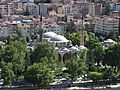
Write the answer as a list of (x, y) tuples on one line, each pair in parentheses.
[(106, 25)]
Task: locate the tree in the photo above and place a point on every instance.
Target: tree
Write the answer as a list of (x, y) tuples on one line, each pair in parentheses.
[(108, 73), (74, 37), (95, 76), (112, 36), (98, 53), (39, 75), (43, 49), (7, 74), (91, 42), (70, 28), (112, 56), (15, 52), (14, 57), (9, 53), (1, 53), (75, 67)]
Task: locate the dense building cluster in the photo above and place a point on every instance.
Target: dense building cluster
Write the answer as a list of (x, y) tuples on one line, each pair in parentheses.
[(22, 16)]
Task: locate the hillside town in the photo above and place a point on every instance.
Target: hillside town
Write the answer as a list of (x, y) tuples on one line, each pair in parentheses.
[(59, 43), (100, 16)]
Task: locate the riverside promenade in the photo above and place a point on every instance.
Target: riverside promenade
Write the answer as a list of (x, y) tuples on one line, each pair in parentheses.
[(101, 85)]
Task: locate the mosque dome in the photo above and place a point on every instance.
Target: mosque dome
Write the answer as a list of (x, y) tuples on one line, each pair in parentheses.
[(58, 38), (49, 35)]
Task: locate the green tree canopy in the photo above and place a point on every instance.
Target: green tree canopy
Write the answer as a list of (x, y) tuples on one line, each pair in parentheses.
[(15, 52), (70, 28), (98, 53), (95, 76), (112, 56), (39, 75), (7, 73), (44, 49), (91, 40), (75, 67), (74, 37)]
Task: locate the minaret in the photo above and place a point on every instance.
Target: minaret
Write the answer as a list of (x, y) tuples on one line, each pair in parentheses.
[(40, 28), (40, 25), (82, 33), (82, 30)]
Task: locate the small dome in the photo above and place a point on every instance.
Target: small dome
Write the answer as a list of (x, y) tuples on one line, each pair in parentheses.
[(109, 41), (49, 35), (74, 49), (58, 38), (56, 48), (65, 50)]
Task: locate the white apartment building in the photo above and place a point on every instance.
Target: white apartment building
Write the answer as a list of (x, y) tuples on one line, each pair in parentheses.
[(105, 25), (53, 28)]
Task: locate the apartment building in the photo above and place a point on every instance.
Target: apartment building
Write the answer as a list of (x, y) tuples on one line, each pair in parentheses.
[(95, 9), (59, 9), (32, 9), (118, 7), (105, 25), (4, 31), (64, 8), (44, 9), (53, 28), (67, 8), (18, 4), (26, 30), (7, 9)]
